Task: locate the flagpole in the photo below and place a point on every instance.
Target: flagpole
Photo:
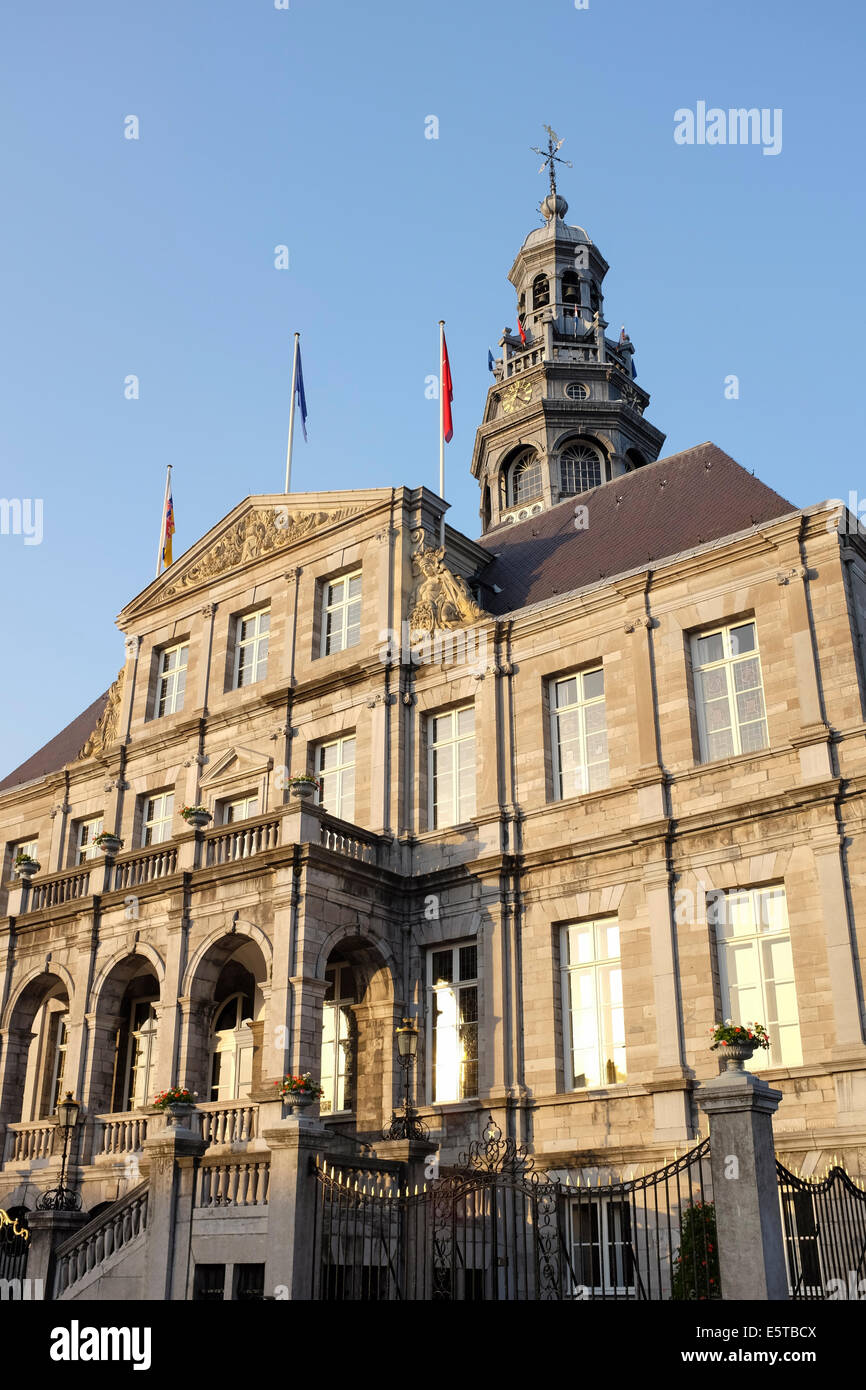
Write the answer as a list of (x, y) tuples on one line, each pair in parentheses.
[(162, 523), (442, 424), (292, 414)]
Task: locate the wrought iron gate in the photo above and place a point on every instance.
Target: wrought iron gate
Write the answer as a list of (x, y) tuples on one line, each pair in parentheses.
[(14, 1249), (495, 1228), (824, 1229)]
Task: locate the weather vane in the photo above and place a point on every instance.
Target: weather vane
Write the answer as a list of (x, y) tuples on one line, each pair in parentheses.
[(550, 158)]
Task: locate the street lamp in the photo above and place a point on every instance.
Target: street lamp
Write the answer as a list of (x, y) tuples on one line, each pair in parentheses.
[(63, 1198), (407, 1125)]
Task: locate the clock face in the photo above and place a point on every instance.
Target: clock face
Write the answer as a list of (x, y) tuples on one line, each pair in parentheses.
[(518, 393)]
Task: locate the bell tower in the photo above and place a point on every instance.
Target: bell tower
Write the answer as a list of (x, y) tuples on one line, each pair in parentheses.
[(565, 413)]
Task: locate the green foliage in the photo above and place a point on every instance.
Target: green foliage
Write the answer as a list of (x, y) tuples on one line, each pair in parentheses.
[(696, 1263)]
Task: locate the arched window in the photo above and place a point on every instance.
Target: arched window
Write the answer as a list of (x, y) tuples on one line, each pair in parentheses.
[(571, 287), (540, 292), (231, 1071), (338, 1038), (525, 479), (579, 469)]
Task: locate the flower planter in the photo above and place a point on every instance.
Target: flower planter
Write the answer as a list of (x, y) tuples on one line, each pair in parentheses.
[(27, 870), (111, 845), (303, 789), (298, 1102), (198, 819), (176, 1115), (736, 1055)]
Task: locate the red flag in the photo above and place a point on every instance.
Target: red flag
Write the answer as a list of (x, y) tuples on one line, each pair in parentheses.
[(447, 393), (520, 327)]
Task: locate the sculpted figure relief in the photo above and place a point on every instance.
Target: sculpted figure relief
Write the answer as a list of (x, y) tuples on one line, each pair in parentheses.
[(105, 732), (440, 599), (252, 537)]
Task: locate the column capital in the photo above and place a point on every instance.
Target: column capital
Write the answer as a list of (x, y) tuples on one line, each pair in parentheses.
[(733, 1091)]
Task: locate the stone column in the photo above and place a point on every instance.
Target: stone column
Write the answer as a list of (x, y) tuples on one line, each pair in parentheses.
[(740, 1107), (52, 863), (170, 1162), (292, 1192)]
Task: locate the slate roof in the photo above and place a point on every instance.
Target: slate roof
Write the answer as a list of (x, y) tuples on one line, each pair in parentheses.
[(60, 750), (640, 519), (637, 520)]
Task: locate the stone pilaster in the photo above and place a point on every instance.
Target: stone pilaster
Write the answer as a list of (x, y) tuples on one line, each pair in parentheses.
[(292, 1192), (169, 1163)]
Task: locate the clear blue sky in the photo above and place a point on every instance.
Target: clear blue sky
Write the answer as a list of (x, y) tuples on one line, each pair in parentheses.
[(305, 127)]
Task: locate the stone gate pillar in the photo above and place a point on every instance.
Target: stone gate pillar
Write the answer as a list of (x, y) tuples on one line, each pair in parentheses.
[(740, 1107)]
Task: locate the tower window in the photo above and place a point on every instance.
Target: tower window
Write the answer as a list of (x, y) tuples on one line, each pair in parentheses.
[(570, 288), (577, 391), (580, 469), (525, 479), (540, 292)]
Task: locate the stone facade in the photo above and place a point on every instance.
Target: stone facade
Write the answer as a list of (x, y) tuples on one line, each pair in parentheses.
[(258, 907)]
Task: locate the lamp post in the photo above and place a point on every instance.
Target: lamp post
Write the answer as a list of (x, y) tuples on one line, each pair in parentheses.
[(63, 1198), (408, 1125)]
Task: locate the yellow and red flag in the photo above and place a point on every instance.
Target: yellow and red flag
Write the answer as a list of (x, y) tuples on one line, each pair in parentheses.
[(168, 529)]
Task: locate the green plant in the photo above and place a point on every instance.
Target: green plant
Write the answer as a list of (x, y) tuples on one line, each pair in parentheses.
[(728, 1033), (695, 1268), (106, 835), (22, 858), (175, 1095), (304, 779), (298, 1086), (187, 811)]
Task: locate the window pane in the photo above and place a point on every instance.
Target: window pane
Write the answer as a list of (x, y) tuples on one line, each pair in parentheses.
[(566, 692), (593, 685), (465, 721), (710, 648), (442, 967), (743, 639), (468, 962)]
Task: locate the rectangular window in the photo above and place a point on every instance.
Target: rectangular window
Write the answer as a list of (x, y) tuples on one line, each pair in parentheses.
[(240, 809), (30, 847), (251, 651), (172, 679), (335, 768), (56, 1058), (592, 1004), (452, 978), (157, 818), (209, 1284), (729, 692), (87, 832), (249, 1282), (601, 1246), (341, 613), (338, 1029), (451, 767), (756, 969), (141, 1054), (579, 723)]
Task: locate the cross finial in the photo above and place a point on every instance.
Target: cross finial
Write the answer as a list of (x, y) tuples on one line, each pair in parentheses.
[(550, 158)]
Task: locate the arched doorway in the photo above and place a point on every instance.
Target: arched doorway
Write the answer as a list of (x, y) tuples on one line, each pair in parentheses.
[(221, 1044), (125, 1037), (36, 1046), (356, 1060)]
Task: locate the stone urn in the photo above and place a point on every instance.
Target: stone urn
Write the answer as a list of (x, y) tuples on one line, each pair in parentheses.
[(111, 845), (736, 1055), (26, 869), (297, 1102), (303, 789), (198, 819), (177, 1115)]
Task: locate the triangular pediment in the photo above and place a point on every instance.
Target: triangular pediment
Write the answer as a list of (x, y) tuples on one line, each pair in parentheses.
[(258, 527), (236, 764)]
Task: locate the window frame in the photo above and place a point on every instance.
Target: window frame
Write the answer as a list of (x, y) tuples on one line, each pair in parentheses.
[(526, 460), (596, 965), (568, 456), (16, 847), (167, 681), (85, 852), (456, 983), (242, 644), (433, 746), (342, 607), (580, 707), (341, 1006), (763, 1060), (339, 770), (727, 662), (229, 803), (148, 822)]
